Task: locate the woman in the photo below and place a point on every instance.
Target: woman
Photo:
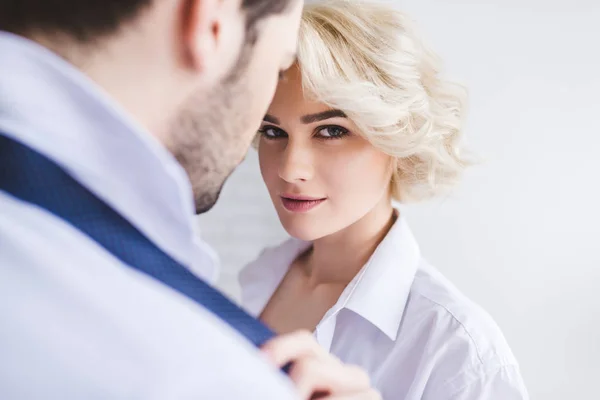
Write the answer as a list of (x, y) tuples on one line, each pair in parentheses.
[(361, 120)]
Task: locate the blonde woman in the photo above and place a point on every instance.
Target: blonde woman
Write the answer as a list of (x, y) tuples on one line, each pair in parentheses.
[(364, 119)]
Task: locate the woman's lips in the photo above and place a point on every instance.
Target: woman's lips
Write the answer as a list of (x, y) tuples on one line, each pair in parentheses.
[(300, 204)]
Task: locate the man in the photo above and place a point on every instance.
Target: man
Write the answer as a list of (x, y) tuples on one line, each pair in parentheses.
[(92, 95)]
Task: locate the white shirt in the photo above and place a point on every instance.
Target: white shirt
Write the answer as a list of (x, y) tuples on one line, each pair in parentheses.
[(417, 336), (75, 322)]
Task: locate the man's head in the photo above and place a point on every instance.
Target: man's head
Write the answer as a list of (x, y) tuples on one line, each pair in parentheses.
[(214, 130), (198, 74)]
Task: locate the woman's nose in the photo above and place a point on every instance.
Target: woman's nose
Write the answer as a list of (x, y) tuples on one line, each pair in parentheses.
[(296, 163)]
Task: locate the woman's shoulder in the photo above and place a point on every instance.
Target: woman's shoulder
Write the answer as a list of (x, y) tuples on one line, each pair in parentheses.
[(259, 279), (274, 257), (461, 335)]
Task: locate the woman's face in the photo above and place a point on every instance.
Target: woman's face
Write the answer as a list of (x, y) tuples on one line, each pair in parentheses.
[(322, 176)]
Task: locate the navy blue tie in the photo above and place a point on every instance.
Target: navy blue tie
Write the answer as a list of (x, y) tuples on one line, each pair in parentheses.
[(32, 177)]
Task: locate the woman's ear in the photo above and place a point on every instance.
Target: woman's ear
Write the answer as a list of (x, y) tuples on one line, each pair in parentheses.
[(394, 177), (394, 165)]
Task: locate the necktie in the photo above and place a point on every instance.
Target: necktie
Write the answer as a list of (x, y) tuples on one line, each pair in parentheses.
[(32, 177)]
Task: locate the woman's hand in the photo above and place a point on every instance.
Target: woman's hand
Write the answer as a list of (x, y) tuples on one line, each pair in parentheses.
[(316, 373)]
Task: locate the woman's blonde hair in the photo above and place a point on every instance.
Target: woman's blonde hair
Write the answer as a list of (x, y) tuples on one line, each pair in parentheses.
[(364, 58)]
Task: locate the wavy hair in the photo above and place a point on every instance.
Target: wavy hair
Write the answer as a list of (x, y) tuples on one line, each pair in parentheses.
[(365, 58)]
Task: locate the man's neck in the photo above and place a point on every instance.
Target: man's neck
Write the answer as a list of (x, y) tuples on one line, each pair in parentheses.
[(129, 72)]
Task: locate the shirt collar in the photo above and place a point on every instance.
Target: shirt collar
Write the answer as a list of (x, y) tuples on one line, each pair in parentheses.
[(380, 291), (260, 278), (52, 107)]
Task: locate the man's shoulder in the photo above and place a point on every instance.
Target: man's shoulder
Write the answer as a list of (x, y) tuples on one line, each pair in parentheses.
[(82, 325)]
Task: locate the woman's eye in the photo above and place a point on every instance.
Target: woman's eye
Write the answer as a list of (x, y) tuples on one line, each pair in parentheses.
[(270, 132), (332, 132)]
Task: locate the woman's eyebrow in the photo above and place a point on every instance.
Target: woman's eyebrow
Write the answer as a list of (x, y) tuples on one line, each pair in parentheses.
[(310, 118)]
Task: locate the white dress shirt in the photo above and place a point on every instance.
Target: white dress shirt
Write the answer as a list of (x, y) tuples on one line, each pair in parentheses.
[(75, 322), (418, 337)]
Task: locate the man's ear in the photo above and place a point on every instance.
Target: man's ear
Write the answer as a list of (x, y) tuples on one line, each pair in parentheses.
[(213, 34), (198, 20)]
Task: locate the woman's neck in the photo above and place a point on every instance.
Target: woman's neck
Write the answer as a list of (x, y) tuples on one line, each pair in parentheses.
[(337, 258)]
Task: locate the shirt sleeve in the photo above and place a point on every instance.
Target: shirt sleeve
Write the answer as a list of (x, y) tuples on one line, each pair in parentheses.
[(504, 383)]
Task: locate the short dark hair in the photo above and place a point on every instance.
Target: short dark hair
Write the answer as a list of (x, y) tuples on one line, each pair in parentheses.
[(88, 20), (259, 9)]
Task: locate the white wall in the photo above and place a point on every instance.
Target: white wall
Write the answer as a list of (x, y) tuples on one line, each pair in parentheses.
[(518, 236)]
